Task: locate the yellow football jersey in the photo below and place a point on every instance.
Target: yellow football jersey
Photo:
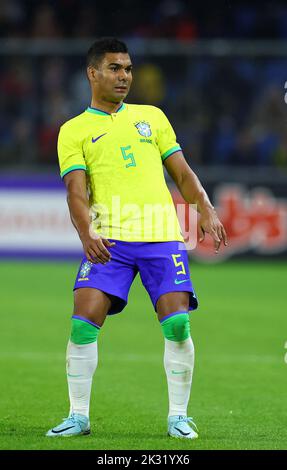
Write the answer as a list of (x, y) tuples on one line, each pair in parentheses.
[(122, 154)]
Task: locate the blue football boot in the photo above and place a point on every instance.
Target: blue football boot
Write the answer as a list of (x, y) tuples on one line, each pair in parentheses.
[(74, 425), (183, 427)]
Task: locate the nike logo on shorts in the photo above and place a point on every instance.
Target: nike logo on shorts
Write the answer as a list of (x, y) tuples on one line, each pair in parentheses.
[(180, 282), (97, 138)]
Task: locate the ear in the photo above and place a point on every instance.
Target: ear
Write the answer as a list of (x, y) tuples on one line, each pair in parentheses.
[(92, 73)]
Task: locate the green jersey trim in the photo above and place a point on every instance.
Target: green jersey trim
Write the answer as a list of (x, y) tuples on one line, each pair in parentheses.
[(72, 168), (168, 153), (103, 113)]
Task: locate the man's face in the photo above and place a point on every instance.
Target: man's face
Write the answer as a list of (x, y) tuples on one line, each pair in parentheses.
[(112, 78)]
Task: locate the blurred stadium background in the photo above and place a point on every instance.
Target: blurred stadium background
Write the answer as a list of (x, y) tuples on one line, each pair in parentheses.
[(219, 71)]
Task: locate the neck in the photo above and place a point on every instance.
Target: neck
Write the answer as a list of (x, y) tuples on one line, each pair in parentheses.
[(106, 106)]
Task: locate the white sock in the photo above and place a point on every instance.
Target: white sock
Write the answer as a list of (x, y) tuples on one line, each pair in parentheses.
[(82, 360), (178, 364)]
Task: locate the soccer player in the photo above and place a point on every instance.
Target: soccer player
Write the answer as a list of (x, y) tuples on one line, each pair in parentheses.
[(111, 159)]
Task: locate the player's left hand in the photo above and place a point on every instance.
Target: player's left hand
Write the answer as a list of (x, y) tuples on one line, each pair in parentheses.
[(210, 223)]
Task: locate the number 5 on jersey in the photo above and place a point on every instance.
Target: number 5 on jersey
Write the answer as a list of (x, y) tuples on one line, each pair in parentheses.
[(128, 156)]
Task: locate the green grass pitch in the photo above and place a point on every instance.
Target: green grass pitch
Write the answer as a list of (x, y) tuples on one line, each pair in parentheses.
[(238, 396)]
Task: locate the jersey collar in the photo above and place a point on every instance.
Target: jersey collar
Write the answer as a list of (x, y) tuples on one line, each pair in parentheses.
[(92, 110)]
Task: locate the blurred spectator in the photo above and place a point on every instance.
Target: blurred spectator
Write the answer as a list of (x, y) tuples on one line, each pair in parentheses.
[(149, 85), (280, 155), (87, 22), (12, 17), (79, 91), (269, 110), (45, 23), (174, 21), (57, 110), (54, 75), (24, 144)]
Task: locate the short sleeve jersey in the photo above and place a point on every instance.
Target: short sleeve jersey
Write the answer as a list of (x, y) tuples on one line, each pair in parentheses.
[(122, 154)]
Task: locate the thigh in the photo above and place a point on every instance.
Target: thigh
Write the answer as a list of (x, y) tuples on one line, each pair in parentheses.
[(164, 271), (92, 304), (113, 280)]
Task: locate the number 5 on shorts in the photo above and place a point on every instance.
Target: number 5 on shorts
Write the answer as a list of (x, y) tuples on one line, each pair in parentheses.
[(178, 263)]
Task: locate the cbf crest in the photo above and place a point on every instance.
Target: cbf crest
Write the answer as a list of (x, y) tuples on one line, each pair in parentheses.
[(85, 269), (143, 128)]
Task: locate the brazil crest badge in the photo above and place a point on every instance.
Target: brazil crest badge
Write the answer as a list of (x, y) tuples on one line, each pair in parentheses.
[(85, 269), (143, 128)]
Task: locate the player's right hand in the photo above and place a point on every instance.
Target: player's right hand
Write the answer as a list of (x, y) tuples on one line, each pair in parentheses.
[(95, 249)]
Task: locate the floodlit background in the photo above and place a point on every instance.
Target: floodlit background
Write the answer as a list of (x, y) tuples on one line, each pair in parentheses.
[(219, 71)]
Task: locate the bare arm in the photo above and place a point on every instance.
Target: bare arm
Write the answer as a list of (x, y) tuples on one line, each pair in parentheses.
[(193, 192), (94, 246)]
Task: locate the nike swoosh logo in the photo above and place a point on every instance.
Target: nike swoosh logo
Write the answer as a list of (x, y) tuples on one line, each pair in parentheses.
[(181, 432), (180, 282), (62, 430), (97, 138)]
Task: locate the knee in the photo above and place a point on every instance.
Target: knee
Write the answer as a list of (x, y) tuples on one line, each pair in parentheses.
[(176, 327)]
